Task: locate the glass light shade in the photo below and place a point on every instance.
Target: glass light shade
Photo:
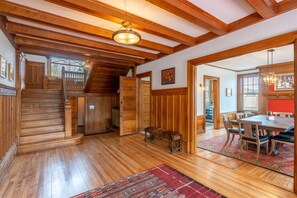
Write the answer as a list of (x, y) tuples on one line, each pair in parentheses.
[(88, 66), (126, 37), (269, 79)]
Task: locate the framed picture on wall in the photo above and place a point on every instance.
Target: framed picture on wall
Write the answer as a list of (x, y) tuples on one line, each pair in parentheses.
[(3, 67), (168, 76), (10, 72), (228, 92), (284, 82)]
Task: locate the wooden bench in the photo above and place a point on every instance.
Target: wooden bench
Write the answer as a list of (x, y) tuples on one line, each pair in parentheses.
[(174, 138)]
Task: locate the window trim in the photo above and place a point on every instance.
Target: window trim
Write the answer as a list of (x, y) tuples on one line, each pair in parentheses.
[(51, 64), (240, 89)]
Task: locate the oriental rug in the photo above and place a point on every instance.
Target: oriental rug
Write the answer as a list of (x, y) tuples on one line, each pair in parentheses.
[(160, 181), (282, 163)]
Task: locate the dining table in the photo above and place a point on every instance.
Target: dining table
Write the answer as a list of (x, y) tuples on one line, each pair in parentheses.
[(275, 123), (270, 124)]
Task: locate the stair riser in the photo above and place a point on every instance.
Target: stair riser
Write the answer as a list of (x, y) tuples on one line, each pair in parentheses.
[(40, 138), (41, 91), (42, 105), (41, 130), (29, 117), (40, 123), (33, 111), (40, 100), (77, 139)]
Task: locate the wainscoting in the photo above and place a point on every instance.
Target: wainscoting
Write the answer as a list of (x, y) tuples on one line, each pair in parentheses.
[(169, 110), (200, 120), (8, 125)]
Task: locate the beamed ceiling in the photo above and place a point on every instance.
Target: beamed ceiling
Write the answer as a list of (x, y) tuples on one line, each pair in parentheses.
[(82, 29)]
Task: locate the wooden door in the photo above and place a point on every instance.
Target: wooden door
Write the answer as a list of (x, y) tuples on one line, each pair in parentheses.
[(144, 104), (128, 105), (34, 75)]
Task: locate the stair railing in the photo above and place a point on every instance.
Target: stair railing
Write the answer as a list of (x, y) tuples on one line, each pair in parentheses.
[(67, 106)]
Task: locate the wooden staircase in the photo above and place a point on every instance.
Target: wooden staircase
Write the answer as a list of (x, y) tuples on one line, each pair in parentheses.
[(42, 121)]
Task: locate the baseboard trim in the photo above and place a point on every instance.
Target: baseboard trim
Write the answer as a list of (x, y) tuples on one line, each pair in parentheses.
[(7, 160)]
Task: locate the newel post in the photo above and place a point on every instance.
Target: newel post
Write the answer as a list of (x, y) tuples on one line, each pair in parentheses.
[(68, 120)]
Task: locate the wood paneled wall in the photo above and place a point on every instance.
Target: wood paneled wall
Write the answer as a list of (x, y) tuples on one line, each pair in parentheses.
[(169, 110), (8, 126), (200, 123), (99, 118)]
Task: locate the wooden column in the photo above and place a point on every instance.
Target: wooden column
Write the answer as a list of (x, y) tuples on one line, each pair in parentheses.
[(48, 66), (20, 62), (68, 120), (295, 118)]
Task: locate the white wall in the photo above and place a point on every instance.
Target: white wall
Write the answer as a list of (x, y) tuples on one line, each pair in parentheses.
[(40, 59), (272, 27), (228, 79), (8, 52)]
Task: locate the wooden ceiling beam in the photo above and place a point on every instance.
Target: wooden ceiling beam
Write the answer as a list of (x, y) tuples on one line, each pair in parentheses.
[(193, 14), (107, 12), (10, 37), (62, 54), (285, 6), (264, 7), (17, 28), (23, 41), (16, 10)]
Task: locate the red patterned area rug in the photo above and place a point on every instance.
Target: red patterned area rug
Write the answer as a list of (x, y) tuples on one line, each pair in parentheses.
[(282, 163), (160, 181)]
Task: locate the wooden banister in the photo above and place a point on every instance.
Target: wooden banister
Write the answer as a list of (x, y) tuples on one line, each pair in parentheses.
[(71, 81), (67, 106)]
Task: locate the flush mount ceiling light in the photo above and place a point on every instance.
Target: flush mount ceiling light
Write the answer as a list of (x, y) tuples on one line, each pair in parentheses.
[(126, 36)]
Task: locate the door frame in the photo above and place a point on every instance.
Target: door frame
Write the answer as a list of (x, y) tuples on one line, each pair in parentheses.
[(216, 110), (277, 41), (143, 75)]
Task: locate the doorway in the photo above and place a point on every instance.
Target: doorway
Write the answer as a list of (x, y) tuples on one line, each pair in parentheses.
[(144, 110), (211, 102)]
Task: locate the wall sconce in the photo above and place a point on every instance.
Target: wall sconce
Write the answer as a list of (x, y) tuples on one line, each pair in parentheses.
[(201, 87)]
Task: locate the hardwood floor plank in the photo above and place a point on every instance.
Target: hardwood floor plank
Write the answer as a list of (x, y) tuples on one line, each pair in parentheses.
[(105, 158)]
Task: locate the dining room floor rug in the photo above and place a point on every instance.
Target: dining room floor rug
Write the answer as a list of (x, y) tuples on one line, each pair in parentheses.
[(160, 181), (282, 163)]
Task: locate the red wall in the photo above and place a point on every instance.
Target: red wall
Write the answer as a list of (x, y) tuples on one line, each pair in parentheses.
[(280, 105)]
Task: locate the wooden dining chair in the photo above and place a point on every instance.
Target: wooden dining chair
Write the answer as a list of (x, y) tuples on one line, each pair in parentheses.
[(283, 114), (252, 135), (230, 129), (285, 137)]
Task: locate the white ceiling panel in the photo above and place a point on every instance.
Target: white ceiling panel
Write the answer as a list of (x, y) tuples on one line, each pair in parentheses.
[(85, 18), (227, 11), (252, 60), (153, 13)]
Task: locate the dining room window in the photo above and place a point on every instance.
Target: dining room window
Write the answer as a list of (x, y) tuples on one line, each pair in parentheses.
[(249, 92)]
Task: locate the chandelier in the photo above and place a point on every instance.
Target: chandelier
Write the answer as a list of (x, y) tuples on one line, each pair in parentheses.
[(126, 36), (269, 78)]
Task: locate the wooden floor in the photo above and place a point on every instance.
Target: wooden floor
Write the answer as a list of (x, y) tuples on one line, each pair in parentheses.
[(263, 174), (105, 158)]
